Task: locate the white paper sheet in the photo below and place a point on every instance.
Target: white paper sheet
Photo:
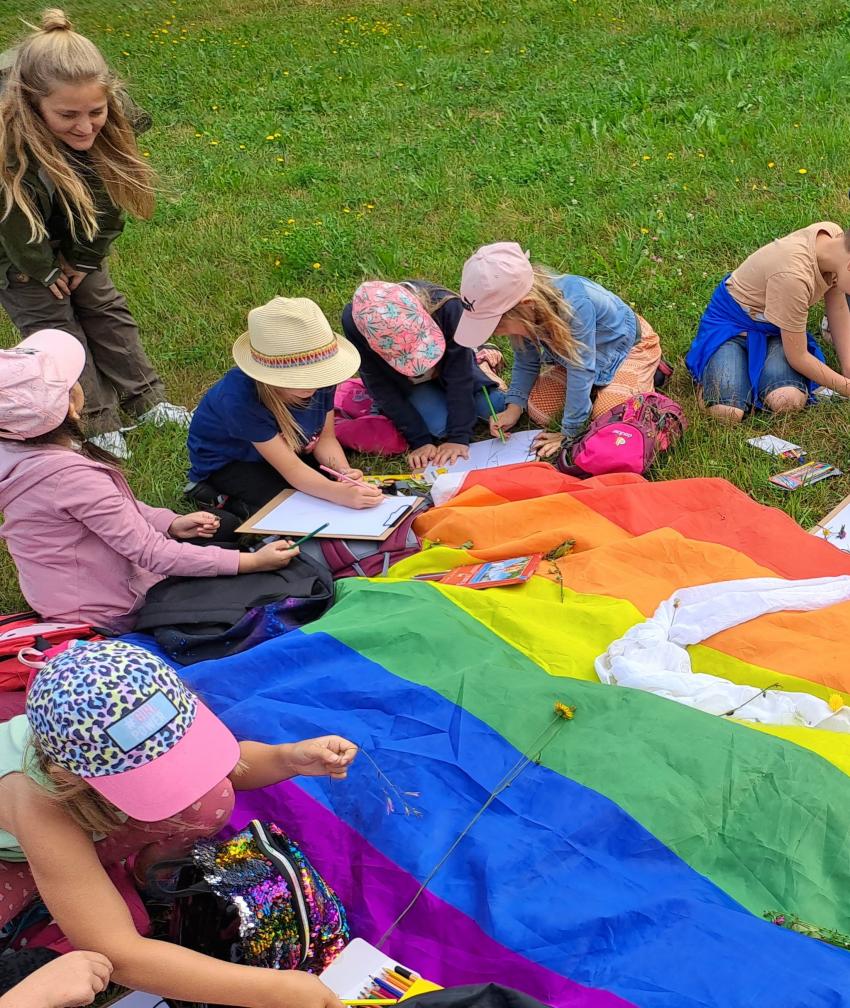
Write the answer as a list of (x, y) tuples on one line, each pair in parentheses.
[(489, 454), (350, 971), (300, 514), (773, 445), (837, 530)]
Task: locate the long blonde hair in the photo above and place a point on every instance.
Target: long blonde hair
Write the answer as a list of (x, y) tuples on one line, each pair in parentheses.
[(545, 314), (55, 54), (275, 400), (89, 810)]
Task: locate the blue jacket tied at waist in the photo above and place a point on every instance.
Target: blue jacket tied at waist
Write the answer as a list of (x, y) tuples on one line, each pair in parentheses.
[(723, 320)]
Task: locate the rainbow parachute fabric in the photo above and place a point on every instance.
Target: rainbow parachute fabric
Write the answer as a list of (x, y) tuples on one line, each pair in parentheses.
[(632, 861)]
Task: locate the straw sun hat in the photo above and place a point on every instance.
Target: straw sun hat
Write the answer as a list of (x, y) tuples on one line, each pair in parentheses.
[(290, 344)]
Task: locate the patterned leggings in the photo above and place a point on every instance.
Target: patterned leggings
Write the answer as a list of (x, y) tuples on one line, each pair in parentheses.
[(150, 842)]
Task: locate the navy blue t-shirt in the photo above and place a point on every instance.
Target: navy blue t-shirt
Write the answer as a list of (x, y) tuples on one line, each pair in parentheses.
[(230, 419)]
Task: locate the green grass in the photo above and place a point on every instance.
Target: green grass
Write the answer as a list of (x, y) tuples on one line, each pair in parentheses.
[(303, 146)]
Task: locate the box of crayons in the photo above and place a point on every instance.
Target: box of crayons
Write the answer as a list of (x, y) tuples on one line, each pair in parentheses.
[(363, 975)]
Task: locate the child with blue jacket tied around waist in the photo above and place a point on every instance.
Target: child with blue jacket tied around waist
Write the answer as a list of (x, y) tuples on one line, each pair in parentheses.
[(602, 352), (418, 375), (268, 424), (117, 760), (751, 350)]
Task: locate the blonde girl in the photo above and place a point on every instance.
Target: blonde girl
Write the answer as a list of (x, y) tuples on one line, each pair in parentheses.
[(599, 351), (70, 170), (268, 424), (156, 771)]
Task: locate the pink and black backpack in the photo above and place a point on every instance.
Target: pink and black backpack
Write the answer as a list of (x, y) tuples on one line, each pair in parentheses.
[(627, 438), (365, 557)]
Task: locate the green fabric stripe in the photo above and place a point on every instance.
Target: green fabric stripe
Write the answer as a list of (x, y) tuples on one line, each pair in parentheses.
[(764, 819)]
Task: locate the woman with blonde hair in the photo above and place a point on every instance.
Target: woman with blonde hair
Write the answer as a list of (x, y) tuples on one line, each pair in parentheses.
[(599, 352), (70, 170)]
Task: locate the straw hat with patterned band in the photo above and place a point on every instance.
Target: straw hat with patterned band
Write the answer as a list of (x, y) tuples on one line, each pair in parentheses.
[(290, 344)]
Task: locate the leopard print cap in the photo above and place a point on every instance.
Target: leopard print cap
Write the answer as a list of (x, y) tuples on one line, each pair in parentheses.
[(101, 708)]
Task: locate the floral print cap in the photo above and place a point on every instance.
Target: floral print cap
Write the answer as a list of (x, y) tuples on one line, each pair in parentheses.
[(396, 326)]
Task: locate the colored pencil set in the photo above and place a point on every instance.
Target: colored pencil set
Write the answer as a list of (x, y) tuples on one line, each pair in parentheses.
[(390, 983)]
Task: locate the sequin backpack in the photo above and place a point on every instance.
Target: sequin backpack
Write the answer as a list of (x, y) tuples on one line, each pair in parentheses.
[(254, 899)]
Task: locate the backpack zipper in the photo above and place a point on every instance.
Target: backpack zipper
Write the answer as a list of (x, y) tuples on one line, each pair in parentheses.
[(280, 860)]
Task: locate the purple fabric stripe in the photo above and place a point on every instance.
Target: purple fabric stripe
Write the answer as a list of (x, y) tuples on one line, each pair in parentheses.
[(434, 938)]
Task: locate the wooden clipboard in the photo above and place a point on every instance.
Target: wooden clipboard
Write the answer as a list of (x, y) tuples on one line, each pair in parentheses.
[(249, 525), (827, 518)]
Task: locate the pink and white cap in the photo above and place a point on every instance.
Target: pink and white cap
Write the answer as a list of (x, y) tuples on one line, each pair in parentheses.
[(36, 378), (493, 281)]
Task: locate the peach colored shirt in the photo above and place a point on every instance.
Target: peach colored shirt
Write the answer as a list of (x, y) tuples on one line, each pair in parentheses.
[(781, 281)]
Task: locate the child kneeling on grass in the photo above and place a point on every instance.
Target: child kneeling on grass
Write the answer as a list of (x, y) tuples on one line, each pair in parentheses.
[(601, 353), (117, 759), (751, 350), (86, 550), (426, 383), (268, 424)]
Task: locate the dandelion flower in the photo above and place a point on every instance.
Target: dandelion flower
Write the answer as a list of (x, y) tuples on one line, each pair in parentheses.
[(644, 230), (279, 160), (646, 157), (290, 220), (771, 164), (270, 136), (346, 209), (317, 266), (146, 153), (802, 171), (213, 143), (277, 262)]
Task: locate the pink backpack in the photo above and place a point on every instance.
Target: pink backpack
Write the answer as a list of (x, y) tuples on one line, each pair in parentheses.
[(359, 429), (365, 557), (626, 438)]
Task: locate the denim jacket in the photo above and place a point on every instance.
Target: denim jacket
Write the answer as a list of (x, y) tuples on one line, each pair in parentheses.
[(605, 329)]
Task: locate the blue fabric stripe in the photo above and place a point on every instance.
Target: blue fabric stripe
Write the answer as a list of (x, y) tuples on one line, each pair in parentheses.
[(552, 870)]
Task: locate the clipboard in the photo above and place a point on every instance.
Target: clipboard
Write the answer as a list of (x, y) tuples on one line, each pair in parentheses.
[(396, 510), (825, 528)]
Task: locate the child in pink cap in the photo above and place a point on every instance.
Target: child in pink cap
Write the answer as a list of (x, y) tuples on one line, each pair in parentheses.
[(86, 550), (597, 351), (117, 759), (419, 376)]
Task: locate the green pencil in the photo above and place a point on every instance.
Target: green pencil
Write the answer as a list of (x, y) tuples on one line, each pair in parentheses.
[(493, 413), (310, 535)]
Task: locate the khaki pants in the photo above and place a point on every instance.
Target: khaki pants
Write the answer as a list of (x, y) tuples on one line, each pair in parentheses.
[(118, 374)]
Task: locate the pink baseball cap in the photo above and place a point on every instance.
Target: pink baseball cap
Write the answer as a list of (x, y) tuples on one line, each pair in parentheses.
[(493, 281), (36, 378)]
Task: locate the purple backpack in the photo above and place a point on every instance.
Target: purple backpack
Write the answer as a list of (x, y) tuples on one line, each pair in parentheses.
[(625, 439), (365, 557)]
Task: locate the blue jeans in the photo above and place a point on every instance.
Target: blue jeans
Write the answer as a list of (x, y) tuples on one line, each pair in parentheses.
[(726, 382), (429, 399)]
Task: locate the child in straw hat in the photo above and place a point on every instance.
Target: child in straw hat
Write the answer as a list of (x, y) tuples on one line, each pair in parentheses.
[(268, 424)]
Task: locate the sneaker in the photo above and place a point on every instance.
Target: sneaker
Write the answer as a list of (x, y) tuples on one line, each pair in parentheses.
[(113, 442), (166, 412)]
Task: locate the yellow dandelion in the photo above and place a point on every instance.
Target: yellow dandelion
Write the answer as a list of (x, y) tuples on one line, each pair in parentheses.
[(199, 134), (146, 153), (802, 171), (771, 164), (644, 230), (277, 262), (285, 73), (346, 209), (279, 160), (317, 266), (370, 206), (241, 146), (270, 136), (564, 710), (213, 143), (124, 52), (647, 157), (291, 220)]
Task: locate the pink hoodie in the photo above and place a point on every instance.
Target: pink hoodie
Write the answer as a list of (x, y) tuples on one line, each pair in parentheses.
[(86, 550)]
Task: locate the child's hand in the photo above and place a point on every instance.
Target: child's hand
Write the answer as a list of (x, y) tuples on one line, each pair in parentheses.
[(359, 495), (270, 557), (505, 420), (547, 445), (293, 989), (73, 979), (420, 457), (353, 473), (327, 756), (450, 452), (198, 525)]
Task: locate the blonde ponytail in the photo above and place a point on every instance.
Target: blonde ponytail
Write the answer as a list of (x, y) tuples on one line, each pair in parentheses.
[(55, 54)]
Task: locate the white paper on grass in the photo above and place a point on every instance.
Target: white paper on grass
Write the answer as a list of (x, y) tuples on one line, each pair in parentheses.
[(300, 513), (490, 454), (773, 445), (350, 971)]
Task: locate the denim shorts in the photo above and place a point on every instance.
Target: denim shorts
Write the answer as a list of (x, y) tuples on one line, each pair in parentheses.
[(726, 380)]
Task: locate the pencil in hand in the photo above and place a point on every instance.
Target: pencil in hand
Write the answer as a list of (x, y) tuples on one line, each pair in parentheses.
[(498, 426)]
